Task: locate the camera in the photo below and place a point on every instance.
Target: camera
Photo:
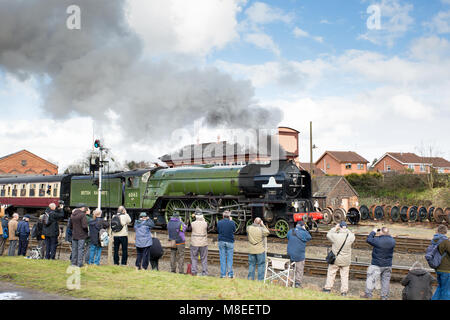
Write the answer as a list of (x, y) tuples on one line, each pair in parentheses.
[(378, 230), (61, 202)]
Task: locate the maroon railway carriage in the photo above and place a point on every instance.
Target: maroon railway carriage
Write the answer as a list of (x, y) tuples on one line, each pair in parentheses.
[(30, 194)]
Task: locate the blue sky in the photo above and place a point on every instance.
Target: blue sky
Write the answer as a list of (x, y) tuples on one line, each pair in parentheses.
[(369, 91)]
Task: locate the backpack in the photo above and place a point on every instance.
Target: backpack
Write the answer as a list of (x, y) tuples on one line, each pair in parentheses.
[(433, 256), (34, 231), (46, 219), (103, 237), (116, 224), (5, 233)]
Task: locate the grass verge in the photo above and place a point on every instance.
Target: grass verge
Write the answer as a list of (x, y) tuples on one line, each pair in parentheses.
[(123, 283)]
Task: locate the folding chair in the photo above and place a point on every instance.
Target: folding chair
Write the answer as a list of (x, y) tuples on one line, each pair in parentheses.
[(280, 267)]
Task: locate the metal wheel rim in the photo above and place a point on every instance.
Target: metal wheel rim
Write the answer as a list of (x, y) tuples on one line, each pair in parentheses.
[(170, 208), (230, 202), (282, 227), (201, 204)]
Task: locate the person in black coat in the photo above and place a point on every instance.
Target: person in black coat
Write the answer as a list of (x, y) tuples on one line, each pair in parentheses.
[(418, 283), (51, 229), (156, 252)]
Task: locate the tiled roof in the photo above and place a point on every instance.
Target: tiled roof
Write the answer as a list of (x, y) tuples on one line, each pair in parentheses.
[(322, 186), (306, 166), (437, 162), (407, 157), (345, 156)]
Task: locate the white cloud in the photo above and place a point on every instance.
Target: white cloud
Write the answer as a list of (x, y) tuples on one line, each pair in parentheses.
[(395, 22), (440, 22), (186, 27), (262, 13), (299, 33), (263, 41)]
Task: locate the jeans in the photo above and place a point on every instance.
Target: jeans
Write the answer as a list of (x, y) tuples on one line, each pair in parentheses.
[(375, 272), (77, 252), (226, 258), (50, 245), (143, 256), (443, 288), (95, 253), (121, 241), (23, 245), (203, 251), (256, 260), (12, 247)]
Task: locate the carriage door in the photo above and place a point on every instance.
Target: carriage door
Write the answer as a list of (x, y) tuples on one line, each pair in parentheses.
[(132, 192)]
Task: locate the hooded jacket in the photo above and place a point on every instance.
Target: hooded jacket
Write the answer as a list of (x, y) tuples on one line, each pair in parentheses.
[(383, 249), (79, 225), (297, 239), (418, 285), (143, 233), (52, 229), (337, 238), (199, 234), (444, 247)]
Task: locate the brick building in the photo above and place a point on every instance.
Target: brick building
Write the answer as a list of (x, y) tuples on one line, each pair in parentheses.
[(403, 161), (224, 153), (342, 163), (335, 192), (25, 162)]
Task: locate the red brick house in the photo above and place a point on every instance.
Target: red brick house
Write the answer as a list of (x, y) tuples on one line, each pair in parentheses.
[(342, 163), (25, 162), (402, 161)]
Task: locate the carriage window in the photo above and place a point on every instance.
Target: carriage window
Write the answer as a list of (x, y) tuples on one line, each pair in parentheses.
[(49, 190), (32, 190), (23, 190), (2, 191), (55, 190), (41, 190), (14, 192), (9, 191)]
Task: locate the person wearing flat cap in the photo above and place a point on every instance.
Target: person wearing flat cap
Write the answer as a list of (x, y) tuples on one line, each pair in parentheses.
[(143, 228), (23, 229), (297, 239), (341, 239), (199, 243)]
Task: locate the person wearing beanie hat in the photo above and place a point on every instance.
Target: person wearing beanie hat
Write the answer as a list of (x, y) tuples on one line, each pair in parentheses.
[(297, 239), (199, 243), (341, 239), (23, 229)]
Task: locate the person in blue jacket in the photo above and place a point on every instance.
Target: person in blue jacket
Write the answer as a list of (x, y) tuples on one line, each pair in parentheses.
[(23, 228), (297, 239), (143, 228), (381, 266)]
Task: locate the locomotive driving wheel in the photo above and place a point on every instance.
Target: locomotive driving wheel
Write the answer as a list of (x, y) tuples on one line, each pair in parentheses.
[(172, 206), (203, 205), (282, 228), (231, 204)]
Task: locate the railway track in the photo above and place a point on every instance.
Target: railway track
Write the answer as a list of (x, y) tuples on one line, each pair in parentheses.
[(319, 239), (313, 267)]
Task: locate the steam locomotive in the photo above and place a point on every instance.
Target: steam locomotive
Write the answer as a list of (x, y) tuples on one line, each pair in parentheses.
[(279, 193)]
